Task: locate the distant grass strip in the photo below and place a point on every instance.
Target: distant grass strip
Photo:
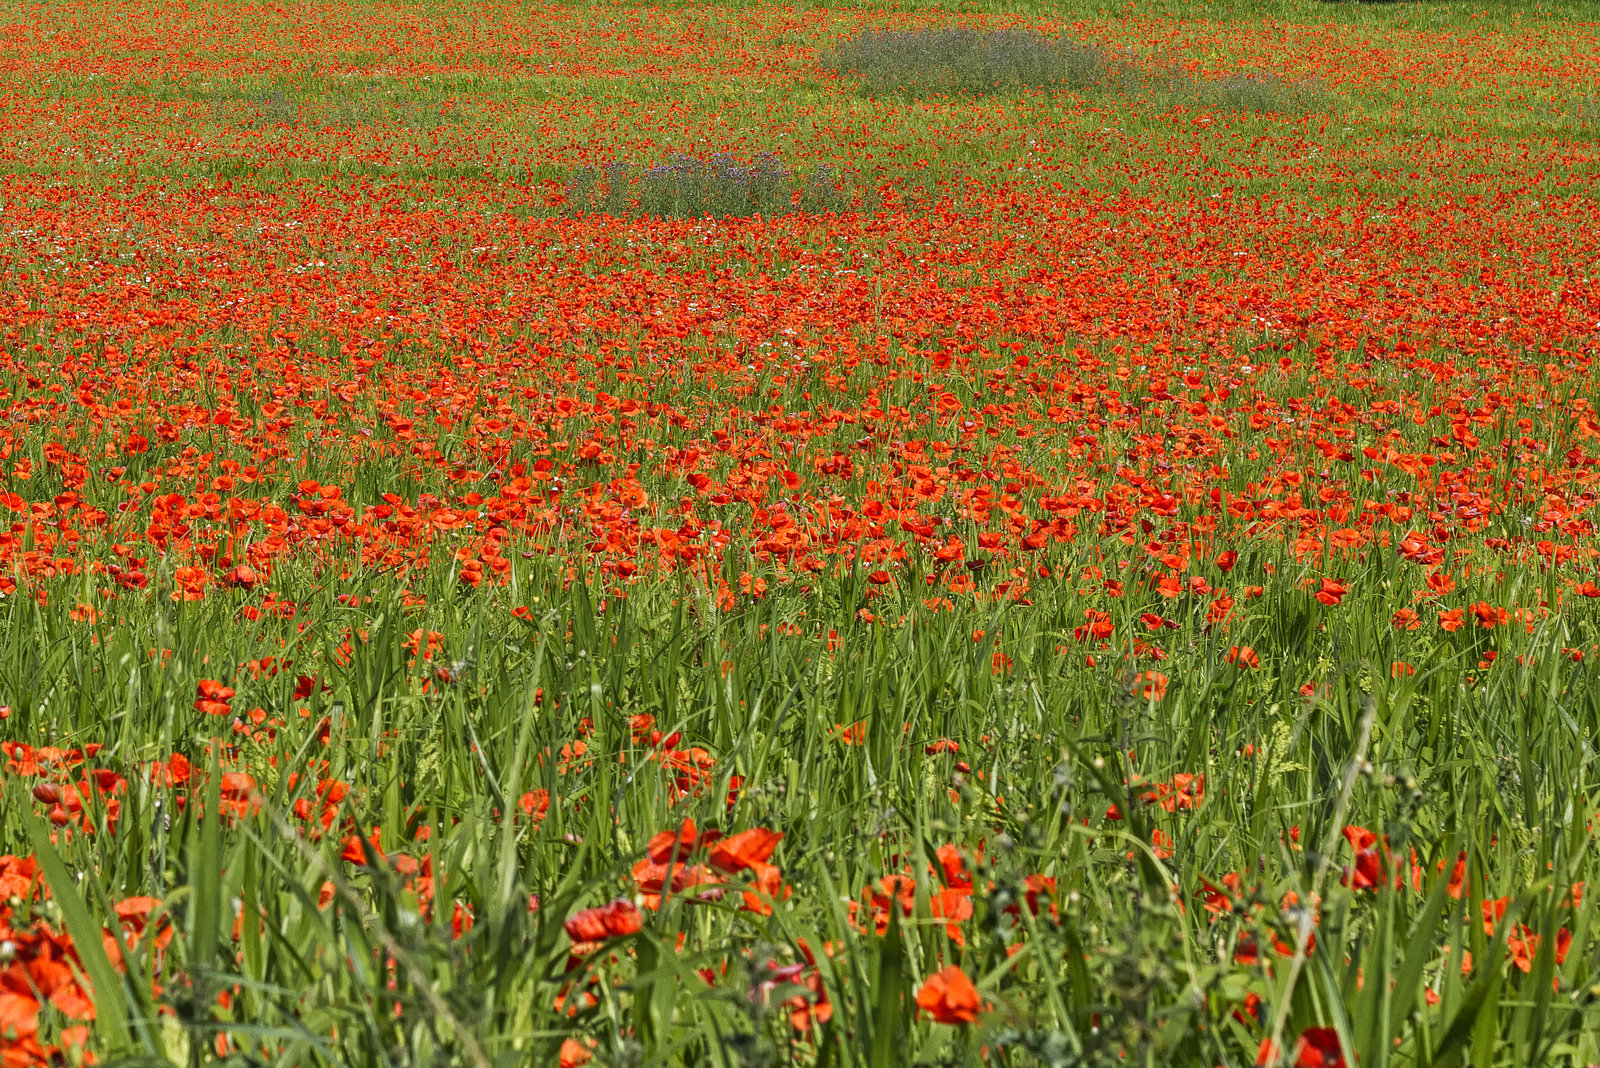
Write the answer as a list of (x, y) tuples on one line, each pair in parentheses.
[(965, 61), (969, 62), (721, 186)]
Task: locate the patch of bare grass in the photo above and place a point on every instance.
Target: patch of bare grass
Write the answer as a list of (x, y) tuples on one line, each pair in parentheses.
[(959, 61), (687, 187), (966, 61)]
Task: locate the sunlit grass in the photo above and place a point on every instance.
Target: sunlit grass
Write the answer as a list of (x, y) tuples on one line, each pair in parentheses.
[(1127, 527)]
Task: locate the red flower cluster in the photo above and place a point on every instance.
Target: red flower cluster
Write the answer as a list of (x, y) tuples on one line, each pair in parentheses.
[(668, 867), (41, 966)]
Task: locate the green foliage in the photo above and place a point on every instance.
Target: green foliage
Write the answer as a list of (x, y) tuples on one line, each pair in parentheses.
[(284, 108), (1122, 962), (689, 188), (1251, 92), (921, 62)]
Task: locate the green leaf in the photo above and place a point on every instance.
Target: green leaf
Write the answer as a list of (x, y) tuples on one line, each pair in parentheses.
[(1484, 992), (888, 994), (1421, 948), (205, 874)]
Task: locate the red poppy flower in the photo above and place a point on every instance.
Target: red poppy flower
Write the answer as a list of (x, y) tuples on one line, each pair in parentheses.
[(1332, 591), (1243, 656), (949, 997), (616, 920), (212, 698), (745, 850), (574, 1053)]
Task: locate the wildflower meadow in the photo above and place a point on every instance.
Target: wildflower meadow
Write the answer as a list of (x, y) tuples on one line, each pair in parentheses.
[(822, 534)]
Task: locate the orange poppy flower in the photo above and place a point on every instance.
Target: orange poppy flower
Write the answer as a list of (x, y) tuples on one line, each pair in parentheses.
[(745, 850), (616, 920), (949, 997)]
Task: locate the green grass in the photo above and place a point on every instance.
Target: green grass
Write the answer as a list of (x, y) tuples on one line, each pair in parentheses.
[(818, 705), (1434, 762)]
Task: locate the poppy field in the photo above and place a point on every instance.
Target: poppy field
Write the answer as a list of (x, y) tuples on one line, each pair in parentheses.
[(742, 534)]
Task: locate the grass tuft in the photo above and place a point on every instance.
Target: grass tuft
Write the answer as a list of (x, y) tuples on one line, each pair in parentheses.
[(1250, 91), (686, 187), (277, 109), (965, 61)]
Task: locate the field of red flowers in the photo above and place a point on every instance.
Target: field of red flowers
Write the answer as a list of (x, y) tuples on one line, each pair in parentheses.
[(1087, 575)]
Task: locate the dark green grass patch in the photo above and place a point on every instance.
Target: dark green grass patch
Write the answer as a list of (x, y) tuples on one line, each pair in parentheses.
[(722, 186)]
